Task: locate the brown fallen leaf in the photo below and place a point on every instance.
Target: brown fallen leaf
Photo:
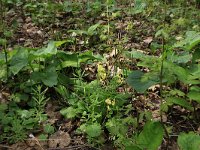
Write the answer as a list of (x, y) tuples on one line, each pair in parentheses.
[(59, 139), (148, 40)]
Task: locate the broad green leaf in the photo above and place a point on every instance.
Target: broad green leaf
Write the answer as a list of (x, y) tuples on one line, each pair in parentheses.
[(194, 95), (151, 136), (49, 76), (135, 54), (190, 141), (19, 60), (91, 30), (68, 60), (179, 101), (135, 79), (139, 7), (192, 39), (51, 49), (84, 57), (138, 55), (176, 92), (48, 129), (180, 72), (181, 58), (59, 43), (69, 112), (93, 130)]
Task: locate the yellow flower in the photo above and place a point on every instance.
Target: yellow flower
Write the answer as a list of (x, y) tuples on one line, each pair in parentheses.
[(113, 102), (108, 101)]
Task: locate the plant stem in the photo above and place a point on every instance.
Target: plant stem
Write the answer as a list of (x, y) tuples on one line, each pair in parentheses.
[(6, 59)]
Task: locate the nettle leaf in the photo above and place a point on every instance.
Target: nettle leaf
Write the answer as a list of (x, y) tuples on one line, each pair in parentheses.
[(180, 72), (194, 95), (48, 129), (135, 79), (19, 60), (179, 101), (190, 141), (180, 58), (151, 136), (51, 49), (49, 76), (116, 127), (43, 137), (192, 39), (69, 112), (93, 130)]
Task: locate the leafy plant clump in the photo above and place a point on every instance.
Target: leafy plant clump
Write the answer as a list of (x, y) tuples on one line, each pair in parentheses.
[(112, 74)]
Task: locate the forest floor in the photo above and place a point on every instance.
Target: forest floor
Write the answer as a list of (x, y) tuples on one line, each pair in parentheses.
[(126, 32)]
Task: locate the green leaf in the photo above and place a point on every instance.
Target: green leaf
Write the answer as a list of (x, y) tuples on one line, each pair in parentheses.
[(133, 147), (3, 107), (91, 30), (19, 60), (51, 49), (43, 137), (68, 60), (180, 72), (116, 127), (69, 112), (139, 7), (135, 79), (190, 141), (181, 58), (48, 129), (179, 101), (151, 136), (93, 130), (192, 39), (194, 95), (49, 76), (59, 43)]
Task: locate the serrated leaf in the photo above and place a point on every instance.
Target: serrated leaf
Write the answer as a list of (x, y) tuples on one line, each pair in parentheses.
[(194, 95), (19, 60), (192, 39), (135, 79), (190, 141), (43, 137), (180, 101), (151, 136), (69, 112), (93, 130), (48, 129)]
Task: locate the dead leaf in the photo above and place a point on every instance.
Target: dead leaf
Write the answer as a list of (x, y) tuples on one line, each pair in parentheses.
[(59, 139), (148, 40)]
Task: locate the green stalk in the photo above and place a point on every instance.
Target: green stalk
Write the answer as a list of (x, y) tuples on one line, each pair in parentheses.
[(6, 59), (107, 12), (163, 53)]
